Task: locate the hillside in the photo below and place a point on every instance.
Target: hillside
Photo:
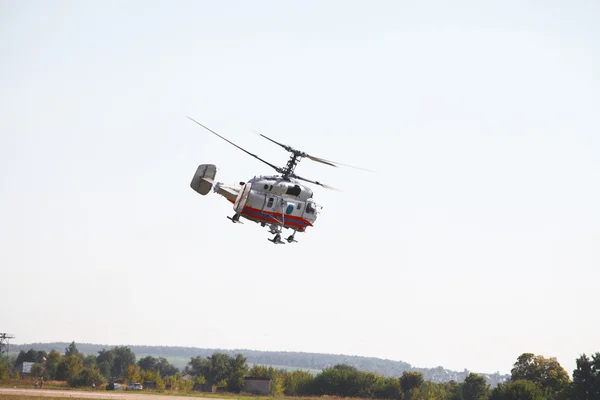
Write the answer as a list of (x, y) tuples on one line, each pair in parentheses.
[(179, 356)]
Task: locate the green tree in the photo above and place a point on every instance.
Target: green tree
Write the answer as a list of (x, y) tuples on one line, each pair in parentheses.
[(89, 361), (347, 381), (123, 358), (262, 371), (298, 383), (430, 391), (333, 381), (546, 372), (178, 383), (410, 381), (198, 366), (186, 384), (105, 361), (475, 388), (586, 378), (452, 388), (148, 363), (30, 356), (87, 377), (153, 376), (220, 368), (165, 368), (518, 390), (237, 371), (389, 389), (5, 366), (367, 384), (71, 350), (277, 384), (4, 372), (52, 362), (345, 368), (68, 368), (172, 382), (132, 374)]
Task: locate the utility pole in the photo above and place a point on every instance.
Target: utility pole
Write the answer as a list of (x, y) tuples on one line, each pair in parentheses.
[(4, 338)]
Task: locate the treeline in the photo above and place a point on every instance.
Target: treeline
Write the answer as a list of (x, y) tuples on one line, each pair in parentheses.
[(79, 369), (313, 361), (290, 359), (533, 377)]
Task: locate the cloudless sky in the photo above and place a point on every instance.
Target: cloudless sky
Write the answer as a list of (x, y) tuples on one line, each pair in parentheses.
[(477, 239)]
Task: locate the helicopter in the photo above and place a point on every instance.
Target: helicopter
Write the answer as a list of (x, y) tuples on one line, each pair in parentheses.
[(277, 201)]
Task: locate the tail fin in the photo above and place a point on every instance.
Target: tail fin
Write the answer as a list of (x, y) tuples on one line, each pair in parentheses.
[(204, 178)]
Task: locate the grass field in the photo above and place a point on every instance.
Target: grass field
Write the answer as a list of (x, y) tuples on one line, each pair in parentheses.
[(63, 391), (30, 383)]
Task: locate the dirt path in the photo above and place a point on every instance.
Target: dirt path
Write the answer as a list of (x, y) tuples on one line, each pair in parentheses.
[(93, 395)]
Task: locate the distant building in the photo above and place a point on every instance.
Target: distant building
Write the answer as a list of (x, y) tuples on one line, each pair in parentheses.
[(24, 369), (257, 385)]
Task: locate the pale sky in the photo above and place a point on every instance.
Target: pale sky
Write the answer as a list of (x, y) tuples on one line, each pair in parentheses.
[(477, 240)]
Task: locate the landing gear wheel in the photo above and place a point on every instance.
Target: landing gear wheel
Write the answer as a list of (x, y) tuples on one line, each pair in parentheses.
[(291, 238), (235, 219), (276, 239)]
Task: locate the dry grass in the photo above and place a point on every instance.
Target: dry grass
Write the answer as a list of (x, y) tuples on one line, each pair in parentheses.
[(30, 384), (62, 385), (25, 397)]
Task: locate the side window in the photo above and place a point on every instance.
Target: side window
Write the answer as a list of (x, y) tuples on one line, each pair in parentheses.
[(270, 202), (309, 208)]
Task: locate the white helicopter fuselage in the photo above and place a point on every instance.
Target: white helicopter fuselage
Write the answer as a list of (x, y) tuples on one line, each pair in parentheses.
[(269, 200), (278, 201)]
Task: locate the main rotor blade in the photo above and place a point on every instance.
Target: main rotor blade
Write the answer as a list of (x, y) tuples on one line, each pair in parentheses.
[(317, 183), (230, 142), (329, 162), (301, 153), (317, 159), (288, 148)]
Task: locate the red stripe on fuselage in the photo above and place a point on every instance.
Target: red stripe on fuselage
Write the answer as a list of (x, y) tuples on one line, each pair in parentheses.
[(278, 215), (289, 220), (269, 219)]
